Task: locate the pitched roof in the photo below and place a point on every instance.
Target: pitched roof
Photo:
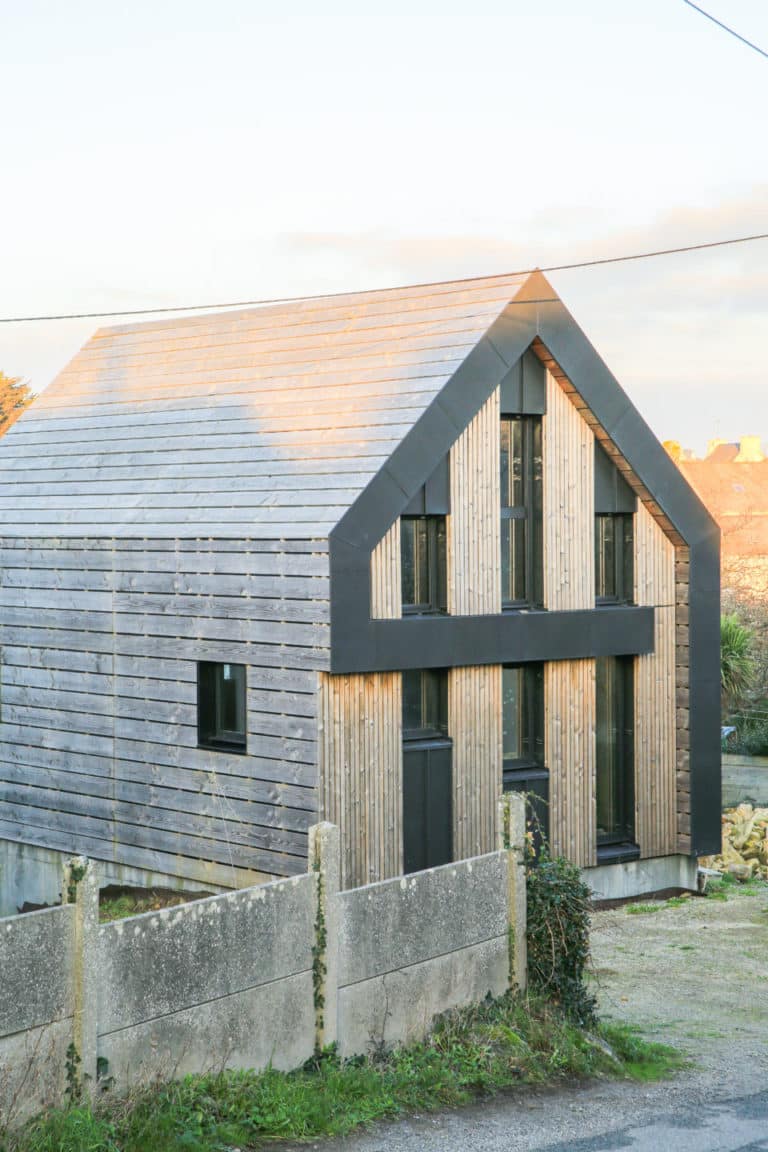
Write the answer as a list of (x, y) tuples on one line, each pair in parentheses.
[(265, 423)]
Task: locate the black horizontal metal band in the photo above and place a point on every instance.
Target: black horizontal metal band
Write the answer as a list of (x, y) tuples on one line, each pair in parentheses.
[(510, 637)]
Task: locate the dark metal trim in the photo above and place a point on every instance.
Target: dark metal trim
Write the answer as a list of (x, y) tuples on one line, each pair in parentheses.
[(509, 638), (617, 853), (359, 644)]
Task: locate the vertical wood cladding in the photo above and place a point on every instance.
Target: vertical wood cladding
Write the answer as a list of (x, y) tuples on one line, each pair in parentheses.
[(360, 754), (655, 736), (386, 586), (474, 710), (569, 694), (569, 504), (474, 526)]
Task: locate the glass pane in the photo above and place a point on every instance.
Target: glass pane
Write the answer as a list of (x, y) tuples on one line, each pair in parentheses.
[(607, 783), (536, 517), (506, 426), (517, 493), (605, 557), (421, 561), (411, 701), (408, 560), (628, 591), (512, 715), (442, 566)]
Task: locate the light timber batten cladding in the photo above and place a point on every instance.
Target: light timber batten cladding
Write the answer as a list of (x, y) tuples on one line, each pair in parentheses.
[(98, 746), (569, 504), (386, 586), (570, 720), (360, 761), (655, 737), (474, 531), (683, 757), (474, 711)]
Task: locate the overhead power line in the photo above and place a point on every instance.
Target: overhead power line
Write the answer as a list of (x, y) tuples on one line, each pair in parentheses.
[(427, 284), (725, 28)]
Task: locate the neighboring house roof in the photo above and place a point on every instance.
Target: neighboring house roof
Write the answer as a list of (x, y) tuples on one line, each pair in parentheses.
[(266, 423), (735, 490)]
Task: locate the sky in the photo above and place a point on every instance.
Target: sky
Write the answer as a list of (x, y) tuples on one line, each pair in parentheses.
[(166, 152)]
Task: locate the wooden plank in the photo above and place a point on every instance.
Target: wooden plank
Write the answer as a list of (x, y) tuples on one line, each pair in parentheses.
[(569, 504), (474, 710), (474, 532), (386, 580), (360, 764), (570, 718)]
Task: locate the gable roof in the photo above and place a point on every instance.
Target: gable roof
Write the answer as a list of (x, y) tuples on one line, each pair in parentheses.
[(266, 423)]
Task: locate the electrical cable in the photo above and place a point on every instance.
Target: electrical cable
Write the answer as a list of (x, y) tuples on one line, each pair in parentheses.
[(427, 284), (726, 28)]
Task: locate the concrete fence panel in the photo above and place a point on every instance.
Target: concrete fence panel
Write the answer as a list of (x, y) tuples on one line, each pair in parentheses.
[(223, 982), (413, 947), (37, 958), (266, 975)]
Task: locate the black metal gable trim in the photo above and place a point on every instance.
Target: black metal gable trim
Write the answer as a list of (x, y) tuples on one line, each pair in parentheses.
[(359, 644)]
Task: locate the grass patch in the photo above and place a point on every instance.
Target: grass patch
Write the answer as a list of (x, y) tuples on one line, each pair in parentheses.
[(117, 904), (641, 1059), (643, 909), (473, 1053)]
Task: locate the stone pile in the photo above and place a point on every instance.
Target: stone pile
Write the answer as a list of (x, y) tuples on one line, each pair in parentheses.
[(744, 853)]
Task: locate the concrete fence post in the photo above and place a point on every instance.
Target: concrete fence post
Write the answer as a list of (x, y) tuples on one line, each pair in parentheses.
[(81, 889), (325, 862), (511, 839)]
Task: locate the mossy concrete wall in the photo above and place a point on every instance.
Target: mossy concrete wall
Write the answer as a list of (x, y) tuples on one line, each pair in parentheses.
[(264, 976)]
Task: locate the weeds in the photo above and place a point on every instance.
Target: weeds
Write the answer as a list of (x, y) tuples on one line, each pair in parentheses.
[(472, 1053)]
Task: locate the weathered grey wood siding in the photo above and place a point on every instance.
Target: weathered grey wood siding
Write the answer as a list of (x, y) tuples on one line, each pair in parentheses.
[(98, 741)]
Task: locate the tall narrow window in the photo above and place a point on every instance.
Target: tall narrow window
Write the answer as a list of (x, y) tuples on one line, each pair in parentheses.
[(221, 706), (427, 771), (614, 558), (424, 564), (524, 767), (615, 755), (521, 512)]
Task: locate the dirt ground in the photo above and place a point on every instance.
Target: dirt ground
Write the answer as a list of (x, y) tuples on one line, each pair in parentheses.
[(693, 975)]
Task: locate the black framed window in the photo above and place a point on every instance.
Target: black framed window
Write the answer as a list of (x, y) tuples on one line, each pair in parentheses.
[(521, 512), (221, 706), (427, 771), (424, 564), (615, 766), (425, 704), (614, 558)]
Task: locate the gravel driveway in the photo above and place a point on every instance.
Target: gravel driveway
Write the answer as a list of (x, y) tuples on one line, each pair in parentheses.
[(695, 976)]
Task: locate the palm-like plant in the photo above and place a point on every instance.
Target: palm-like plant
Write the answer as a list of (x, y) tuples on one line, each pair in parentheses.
[(737, 667)]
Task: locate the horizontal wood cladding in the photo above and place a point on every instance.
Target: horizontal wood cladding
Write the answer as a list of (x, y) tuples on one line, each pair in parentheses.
[(474, 526), (474, 709), (98, 741), (269, 421), (361, 773), (570, 720), (386, 582), (569, 504)]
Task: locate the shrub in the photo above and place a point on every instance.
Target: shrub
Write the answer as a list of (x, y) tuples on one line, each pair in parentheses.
[(559, 904)]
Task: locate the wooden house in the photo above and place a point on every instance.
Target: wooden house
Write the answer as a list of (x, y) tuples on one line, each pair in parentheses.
[(366, 558)]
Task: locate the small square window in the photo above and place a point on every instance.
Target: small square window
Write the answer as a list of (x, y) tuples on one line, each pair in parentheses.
[(221, 706)]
